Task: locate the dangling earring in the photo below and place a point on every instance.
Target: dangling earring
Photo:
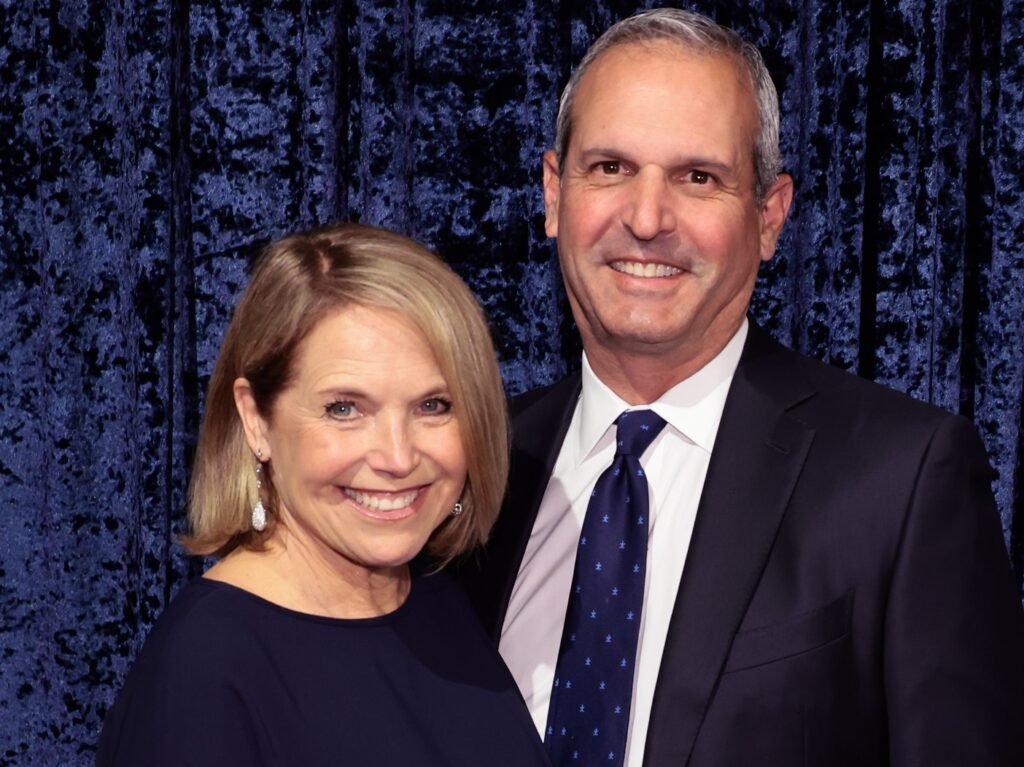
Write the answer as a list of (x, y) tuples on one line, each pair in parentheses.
[(457, 509), (259, 511)]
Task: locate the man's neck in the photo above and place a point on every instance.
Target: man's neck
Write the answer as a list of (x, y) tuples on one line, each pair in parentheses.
[(641, 377)]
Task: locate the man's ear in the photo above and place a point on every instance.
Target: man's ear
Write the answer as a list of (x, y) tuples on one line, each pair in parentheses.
[(551, 190), (253, 423), (774, 210)]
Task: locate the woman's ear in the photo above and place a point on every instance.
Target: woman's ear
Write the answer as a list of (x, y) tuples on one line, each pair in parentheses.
[(253, 423)]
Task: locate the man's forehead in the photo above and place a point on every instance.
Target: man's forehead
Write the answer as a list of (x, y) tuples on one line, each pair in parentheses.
[(641, 84), (666, 49)]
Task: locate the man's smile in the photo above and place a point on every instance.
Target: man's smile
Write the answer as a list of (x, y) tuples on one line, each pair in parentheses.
[(645, 269)]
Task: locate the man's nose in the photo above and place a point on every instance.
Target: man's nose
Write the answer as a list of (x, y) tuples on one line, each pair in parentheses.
[(394, 448), (649, 212)]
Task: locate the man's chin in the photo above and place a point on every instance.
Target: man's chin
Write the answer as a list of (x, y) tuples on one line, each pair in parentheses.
[(642, 336)]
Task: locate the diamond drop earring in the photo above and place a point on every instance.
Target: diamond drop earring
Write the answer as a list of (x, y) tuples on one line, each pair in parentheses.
[(259, 511)]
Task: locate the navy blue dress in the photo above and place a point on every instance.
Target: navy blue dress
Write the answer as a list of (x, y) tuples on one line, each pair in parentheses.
[(227, 678)]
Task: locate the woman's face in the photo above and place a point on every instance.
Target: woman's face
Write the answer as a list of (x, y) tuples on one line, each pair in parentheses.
[(364, 443)]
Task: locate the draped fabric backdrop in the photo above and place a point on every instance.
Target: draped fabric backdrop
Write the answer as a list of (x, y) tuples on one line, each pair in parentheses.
[(148, 149)]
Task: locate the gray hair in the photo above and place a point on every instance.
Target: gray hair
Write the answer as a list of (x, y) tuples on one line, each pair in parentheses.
[(701, 35)]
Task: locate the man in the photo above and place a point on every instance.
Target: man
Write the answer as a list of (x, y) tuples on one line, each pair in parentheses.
[(826, 582)]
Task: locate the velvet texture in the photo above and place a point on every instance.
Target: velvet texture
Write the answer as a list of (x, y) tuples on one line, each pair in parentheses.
[(148, 149)]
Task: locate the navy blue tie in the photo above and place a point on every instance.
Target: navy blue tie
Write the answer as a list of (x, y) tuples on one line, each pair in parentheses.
[(588, 718)]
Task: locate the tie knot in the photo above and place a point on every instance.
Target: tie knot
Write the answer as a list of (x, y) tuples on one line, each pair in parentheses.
[(636, 429)]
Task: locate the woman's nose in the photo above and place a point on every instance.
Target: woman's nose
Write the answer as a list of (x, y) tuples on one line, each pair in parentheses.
[(394, 449)]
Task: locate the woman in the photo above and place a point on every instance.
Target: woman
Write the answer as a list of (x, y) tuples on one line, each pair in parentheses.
[(354, 418)]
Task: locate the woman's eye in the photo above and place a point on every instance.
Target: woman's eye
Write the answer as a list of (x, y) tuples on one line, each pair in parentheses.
[(436, 406), (341, 409)]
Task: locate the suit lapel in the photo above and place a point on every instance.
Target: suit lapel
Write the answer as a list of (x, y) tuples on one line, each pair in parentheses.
[(758, 455)]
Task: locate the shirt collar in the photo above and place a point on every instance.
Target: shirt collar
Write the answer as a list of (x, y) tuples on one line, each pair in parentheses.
[(693, 407)]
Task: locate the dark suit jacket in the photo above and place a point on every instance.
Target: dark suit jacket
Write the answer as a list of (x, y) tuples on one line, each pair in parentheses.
[(846, 599)]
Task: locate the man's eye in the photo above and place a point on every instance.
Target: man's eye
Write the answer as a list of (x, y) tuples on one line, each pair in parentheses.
[(610, 168), (699, 177), (340, 409)]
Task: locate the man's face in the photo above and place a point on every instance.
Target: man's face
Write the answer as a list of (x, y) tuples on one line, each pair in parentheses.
[(659, 233)]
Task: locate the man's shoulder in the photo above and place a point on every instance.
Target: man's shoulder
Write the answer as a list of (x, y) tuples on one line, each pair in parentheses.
[(781, 373), (837, 381), (554, 396), (845, 397)]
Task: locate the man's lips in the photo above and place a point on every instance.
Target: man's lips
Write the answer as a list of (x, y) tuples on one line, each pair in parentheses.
[(645, 269)]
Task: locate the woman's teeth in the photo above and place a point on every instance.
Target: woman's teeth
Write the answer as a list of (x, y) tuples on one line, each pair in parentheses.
[(382, 501)]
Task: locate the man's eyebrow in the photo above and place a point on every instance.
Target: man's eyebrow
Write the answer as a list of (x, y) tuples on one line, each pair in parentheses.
[(683, 162), (704, 163), (607, 153)]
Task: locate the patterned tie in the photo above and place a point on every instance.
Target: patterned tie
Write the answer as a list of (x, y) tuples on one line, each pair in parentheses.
[(589, 713)]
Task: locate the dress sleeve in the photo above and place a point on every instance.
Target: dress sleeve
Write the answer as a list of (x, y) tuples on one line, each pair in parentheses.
[(192, 721), (187, 700)]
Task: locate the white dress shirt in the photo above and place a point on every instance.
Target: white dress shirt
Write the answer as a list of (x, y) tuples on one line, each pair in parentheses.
[(675, 464)]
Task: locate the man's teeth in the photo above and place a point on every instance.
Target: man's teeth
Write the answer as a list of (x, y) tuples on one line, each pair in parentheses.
[(386, 502), (648, 269)]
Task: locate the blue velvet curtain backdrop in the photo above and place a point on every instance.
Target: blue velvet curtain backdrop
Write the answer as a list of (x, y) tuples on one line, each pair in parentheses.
[(147, 150)]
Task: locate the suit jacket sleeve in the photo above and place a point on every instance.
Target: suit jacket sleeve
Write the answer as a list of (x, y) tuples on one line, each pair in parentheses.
[(954, 637)]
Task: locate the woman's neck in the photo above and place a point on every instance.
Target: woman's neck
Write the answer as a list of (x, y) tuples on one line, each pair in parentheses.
[(291, 575)]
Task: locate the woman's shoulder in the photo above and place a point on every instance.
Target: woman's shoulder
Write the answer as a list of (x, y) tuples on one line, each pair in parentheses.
[(197, 638), (435, 591), (201, 609), (186, 680)]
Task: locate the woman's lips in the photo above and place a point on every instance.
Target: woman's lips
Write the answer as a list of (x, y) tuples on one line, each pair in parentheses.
[(385, 504)]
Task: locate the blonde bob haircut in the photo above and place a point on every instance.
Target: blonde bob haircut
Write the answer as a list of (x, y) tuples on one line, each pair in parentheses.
[(297, 281)]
